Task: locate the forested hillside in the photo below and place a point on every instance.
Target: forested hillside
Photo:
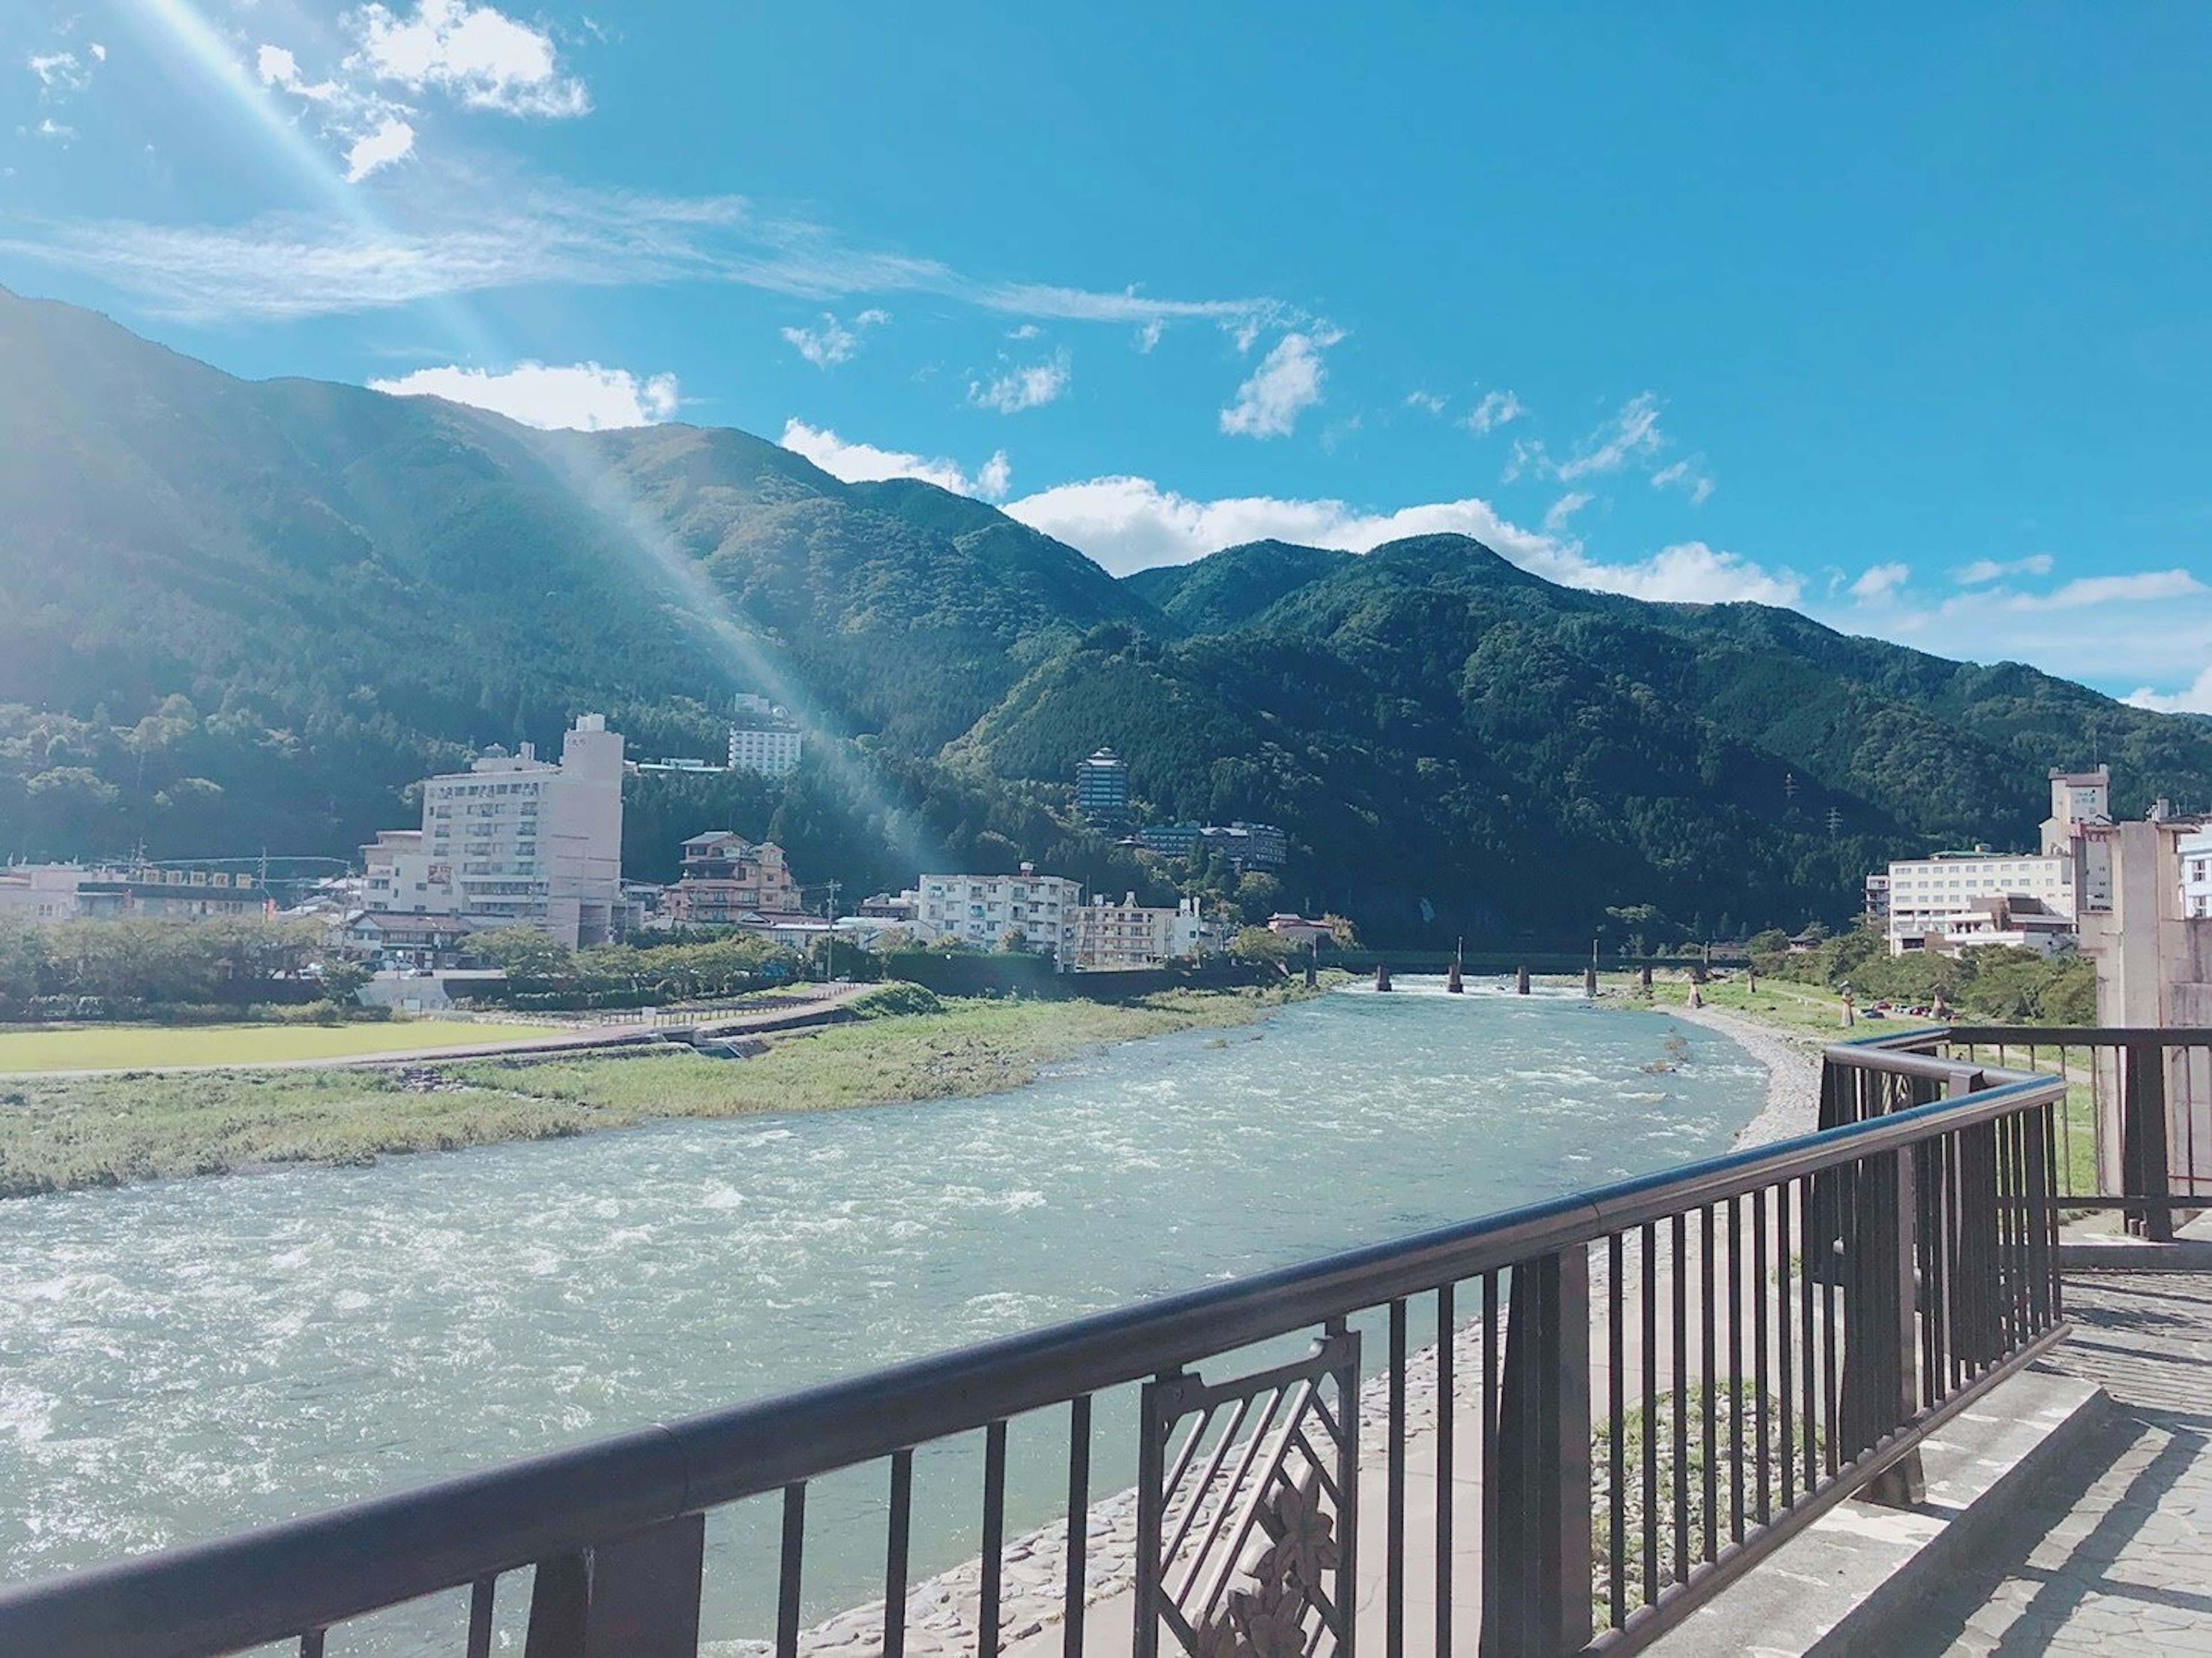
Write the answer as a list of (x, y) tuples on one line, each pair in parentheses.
[(249, 615)]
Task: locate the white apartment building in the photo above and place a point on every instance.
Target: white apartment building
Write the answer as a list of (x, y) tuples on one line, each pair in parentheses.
[(978, 909), (1932, 899), (1131, 934), (42, 892), (763, 738), (2195, 852), (516, 842)]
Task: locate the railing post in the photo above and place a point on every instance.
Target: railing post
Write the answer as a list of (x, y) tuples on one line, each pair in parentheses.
[(633, 1597), (2142, 1140), (1893, 1379), (1536, 1556)]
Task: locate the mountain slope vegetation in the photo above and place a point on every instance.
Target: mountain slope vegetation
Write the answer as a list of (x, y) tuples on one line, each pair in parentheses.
[(249, 615)]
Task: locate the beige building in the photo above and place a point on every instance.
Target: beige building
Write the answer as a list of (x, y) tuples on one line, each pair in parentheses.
[(1933, 900), (727, 878), (516, 842)]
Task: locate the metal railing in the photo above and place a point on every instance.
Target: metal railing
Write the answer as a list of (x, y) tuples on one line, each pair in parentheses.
[(1636, 1392), (2135, 1135)]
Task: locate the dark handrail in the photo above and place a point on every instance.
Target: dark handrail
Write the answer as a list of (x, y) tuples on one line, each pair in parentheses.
[(269, 1582)]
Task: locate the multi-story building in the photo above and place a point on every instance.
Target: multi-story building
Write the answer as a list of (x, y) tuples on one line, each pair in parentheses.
[(1102, 789), (1249, 846), (2195, 852), (516, 842), (65, 892), (2080, 800), (1931, 897), (980, 909), (42, 892), (762, 737), (727, 878), (1876, 905), (1131, 934), (2154, 952), (1126, 934)]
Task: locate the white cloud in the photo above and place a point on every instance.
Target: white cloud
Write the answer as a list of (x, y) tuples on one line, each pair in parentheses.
[(1428, 402), (1880, 580), (1564, 508), (1030, 386), (50, 128), (61, 73), (2195, 698), (1287, 382), (1149, 336), (1983, 571), (393, 140), (1131, 523), (864, 463), (2088, 591), (1632, 434), (1497, 409), (582, 396), (833, 343), (477, 55), (1688, 475), (1028, 330)]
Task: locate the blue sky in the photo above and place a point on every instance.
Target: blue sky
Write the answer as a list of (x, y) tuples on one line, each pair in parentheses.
[(1901, 318)]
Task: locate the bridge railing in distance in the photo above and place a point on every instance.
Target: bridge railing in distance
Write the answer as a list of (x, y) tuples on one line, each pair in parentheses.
[(1640, 1390), (2135, 1135)]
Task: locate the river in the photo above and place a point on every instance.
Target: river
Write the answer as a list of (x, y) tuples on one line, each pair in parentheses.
[(183, 1358)]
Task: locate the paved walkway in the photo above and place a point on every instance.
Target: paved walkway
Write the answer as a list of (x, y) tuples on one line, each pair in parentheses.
[(2111, 1553)]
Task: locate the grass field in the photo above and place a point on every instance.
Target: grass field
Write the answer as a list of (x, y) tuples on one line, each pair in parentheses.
[(145, 1047), (58, 1134)]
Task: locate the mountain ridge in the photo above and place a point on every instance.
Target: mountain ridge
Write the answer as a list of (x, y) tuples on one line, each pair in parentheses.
[(252, 613)]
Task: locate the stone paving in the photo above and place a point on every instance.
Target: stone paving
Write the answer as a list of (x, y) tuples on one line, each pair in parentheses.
[(2112, 1552)]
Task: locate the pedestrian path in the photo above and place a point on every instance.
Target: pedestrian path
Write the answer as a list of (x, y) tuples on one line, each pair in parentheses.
[(2110, 1552)]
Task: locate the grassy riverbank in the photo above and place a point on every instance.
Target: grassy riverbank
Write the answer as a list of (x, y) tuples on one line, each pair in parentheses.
[(143, 1048), (58, 1135)]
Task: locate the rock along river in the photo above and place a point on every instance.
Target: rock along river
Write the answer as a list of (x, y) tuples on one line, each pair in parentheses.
[(181, 1360)]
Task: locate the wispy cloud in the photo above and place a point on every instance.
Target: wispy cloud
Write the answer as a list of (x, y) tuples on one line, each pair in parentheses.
[(2096, 590), (1497, 409), (465, 234), (1984, 571), (864, 463), (1428, 402), (1030, 386), (1689, 476), (1564, 508), (1880, 580), (582, 396), (834, 342), (63, 74), (1632, 434), (1287, 382)]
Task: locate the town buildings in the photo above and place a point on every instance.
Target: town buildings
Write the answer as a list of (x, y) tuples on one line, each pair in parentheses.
[(980, 909), (516, 842), (1102, 789), (1247, 846), (47, 893), (727, 879), (1299, 931), (763, 737)]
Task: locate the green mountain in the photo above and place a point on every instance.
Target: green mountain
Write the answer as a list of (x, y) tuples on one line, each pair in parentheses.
[(248, 615)]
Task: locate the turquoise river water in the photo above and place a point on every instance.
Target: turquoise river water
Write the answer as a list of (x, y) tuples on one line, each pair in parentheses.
[(181, 1360)]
